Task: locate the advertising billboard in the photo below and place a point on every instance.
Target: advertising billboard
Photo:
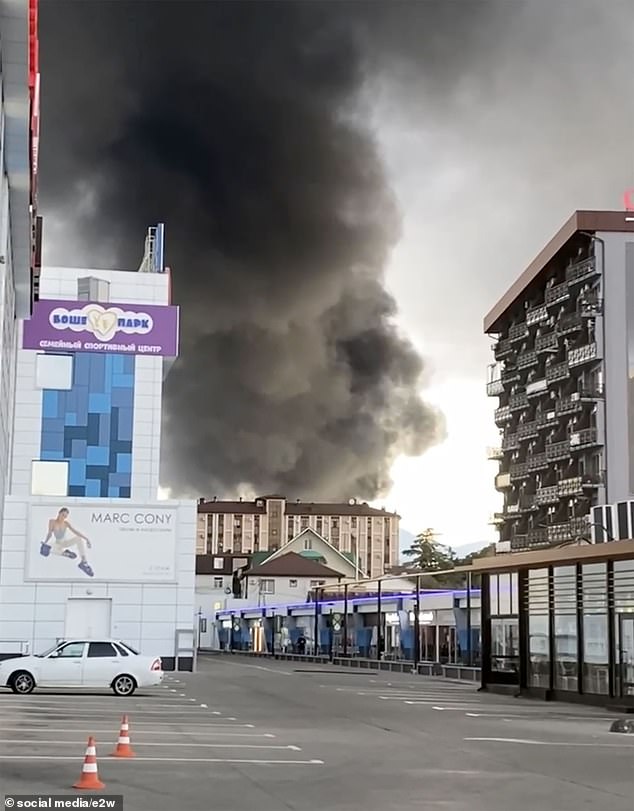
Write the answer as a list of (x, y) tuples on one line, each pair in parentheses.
[(94, 542), (79, 326)]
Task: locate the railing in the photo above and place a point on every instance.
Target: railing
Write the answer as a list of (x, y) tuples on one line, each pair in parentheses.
[(582, 354), (558, 371), (568, 405), (558, 450), (546, 418), (510, 376), (536, 314), (527, 359), (526, 430), (591, 303), (517, 401), (497, 518), (581, 270), (513, 509), (495, 454), (518, 542), (518, 470), (546, 342), (537, 461), (584, 438), (559, 292), (502, 414), (537, 537), (517, 332), (510, 442), (495, 387), (502, 348), (570, 487), (547, 495), (570, 322)]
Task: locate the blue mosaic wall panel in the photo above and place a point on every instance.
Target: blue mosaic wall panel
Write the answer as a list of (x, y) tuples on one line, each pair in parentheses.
[(91, 425)]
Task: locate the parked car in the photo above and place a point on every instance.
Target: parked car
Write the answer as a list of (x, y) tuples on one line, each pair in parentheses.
[(83, 664)]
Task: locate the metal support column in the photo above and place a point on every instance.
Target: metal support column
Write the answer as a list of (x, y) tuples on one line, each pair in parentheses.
[(345, 620), (469, 656), (417, 625), (316, 629), (379, 628)]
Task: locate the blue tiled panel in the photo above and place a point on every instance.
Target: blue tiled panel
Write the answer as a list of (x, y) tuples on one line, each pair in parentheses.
[(91, 425)]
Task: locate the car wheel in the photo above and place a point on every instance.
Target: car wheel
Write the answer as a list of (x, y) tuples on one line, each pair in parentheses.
[(22, 683), (123, 685)]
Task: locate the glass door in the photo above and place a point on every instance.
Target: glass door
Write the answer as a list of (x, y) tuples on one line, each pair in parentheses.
[(627, 654)]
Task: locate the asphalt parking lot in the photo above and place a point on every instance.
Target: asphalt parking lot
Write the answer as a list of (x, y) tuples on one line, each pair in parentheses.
[(243, 734)]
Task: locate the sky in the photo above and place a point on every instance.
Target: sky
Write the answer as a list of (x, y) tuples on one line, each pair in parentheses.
[(447, 143)]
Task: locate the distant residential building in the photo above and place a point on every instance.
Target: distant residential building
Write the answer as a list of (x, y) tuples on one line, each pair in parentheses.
[(288, 577), (369, 537)]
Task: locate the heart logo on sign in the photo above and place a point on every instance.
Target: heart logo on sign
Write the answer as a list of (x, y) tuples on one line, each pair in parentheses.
[(102, 323)]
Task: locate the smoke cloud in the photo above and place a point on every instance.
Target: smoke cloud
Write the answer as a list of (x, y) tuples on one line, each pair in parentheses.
[(242, 127)]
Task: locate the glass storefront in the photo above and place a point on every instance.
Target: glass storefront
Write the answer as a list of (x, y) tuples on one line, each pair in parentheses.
[(574, 634)]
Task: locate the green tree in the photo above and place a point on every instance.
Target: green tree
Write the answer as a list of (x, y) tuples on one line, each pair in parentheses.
[(427, 554), (486, 552)]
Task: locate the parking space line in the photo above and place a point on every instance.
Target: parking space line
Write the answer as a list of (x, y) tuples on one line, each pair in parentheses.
[(528, 742), (83, 721), (243, 761), (145, 732), (39, 742)]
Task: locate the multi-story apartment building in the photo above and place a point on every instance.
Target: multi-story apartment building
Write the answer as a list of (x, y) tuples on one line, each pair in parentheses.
[(369, 536), (563, 371)]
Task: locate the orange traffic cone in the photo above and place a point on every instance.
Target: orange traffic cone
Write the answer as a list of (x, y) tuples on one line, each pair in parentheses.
[(123, 748), (89, 778)]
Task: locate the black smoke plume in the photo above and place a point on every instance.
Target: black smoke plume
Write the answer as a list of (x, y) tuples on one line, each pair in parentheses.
[(240, 125)]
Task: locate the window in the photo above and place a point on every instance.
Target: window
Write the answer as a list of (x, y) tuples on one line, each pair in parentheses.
[(565, 610), (308, 543), (101, 650), (54, 372), (596, 668), (267, 586), (218, 582), (74, 650), (49, 478), (121, 650), (130, 648), (316, 583), (218, 563), (292, 584), (538, 629)]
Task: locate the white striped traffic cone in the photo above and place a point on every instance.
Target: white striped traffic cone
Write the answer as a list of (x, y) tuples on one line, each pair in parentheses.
[(123, 748), (89, 777)]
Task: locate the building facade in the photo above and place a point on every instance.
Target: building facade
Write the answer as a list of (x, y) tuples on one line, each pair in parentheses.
[(370, 536), (87, 548), (564, 362)]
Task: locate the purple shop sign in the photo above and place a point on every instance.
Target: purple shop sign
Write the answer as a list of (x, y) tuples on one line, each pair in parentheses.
[(80, 326)]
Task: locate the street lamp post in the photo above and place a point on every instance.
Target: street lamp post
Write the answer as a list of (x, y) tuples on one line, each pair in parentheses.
[(345, 620), (316, 628), (379, 628), (417, 625)]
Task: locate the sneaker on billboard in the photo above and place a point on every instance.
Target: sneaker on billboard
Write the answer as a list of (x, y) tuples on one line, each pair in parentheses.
[(85, 567), (45, 549)]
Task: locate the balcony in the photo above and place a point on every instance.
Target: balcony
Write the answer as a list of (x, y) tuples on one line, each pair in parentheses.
[(570, 487), (545, 343), (557, 372), (517, 332), (527, 359), (595, 393), (547, 495), (537, 461), (590, 304), (513, 509), (518, 470), (546, 419), (569, 405), (502, 481), (495, 387), (511, 376), (537, 537), (527, 503), (518, 542), (510, 442), (536, 314), (582, 354), (557, 294), (502, 349), (536, 387), (495, 454), (502, 415), (581, 271), (518, 401), (497, 519), (586, 438), (558, 450), (527, 430), (569, 323), (568, 531)]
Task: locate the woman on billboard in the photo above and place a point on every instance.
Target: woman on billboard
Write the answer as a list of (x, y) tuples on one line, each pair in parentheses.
[(64, 536)]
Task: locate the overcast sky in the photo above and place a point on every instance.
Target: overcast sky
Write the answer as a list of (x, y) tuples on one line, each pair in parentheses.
[(494, 121)]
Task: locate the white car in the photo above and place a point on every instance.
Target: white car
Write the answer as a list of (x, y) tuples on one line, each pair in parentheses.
[(86, 664)]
